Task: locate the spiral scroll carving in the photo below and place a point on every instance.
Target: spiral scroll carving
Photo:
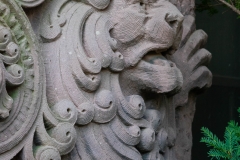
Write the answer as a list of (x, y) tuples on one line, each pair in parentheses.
[(30, 3), (21, 86), (109, 80)]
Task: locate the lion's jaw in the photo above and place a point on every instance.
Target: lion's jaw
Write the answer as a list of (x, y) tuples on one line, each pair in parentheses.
[(142, 35)]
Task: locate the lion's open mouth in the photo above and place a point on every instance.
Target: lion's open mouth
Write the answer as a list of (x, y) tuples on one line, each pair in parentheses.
[(157, 58), (158, 73)]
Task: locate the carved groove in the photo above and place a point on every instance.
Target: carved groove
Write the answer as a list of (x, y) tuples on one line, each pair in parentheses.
[(114, 84)]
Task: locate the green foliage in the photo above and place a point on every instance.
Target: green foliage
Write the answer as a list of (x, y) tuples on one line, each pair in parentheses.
[(229, 149), (211, 6), (207, 5)]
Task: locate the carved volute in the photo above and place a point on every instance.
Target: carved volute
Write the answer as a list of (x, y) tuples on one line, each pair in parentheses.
[(98, 79)]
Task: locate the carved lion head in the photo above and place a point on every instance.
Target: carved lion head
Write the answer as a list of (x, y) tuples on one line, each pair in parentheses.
[(146, 32), (101, 56)]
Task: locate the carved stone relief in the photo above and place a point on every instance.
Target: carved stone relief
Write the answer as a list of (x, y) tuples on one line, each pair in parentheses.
[(98, 79), (21, 79)]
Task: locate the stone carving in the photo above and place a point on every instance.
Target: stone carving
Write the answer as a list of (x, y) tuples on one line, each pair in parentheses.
[(192, 59), (112, 76), (21, 79), (29, 3), (28, 126)]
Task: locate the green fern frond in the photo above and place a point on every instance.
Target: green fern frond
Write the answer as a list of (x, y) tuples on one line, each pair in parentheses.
[(234, 125), (231, 140), (236, 155), (212, 140), (215, 153), (230, 148)]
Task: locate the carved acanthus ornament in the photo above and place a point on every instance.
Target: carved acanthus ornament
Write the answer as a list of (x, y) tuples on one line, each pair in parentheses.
[(30, 3), (21, 79), (97, 80)]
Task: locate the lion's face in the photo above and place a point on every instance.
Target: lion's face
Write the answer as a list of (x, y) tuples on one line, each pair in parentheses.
[(145, 31), (100, 55), (130, 37)]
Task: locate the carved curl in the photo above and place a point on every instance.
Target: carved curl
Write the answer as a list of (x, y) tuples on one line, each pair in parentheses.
[(20, 77), (110, 79), (30, 3)]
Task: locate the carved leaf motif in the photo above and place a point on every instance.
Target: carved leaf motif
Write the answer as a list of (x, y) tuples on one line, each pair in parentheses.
[(57, 128), (192, 59), (30, 3), (109, 81), (98, 4), (20, 87)]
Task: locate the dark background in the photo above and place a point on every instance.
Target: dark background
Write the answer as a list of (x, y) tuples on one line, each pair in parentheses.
[(218, 104)]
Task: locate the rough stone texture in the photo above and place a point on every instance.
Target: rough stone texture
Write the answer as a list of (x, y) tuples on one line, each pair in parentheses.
[(99, 79)]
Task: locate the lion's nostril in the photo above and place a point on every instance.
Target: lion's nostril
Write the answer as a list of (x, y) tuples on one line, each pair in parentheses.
[(173, 23), (174, 20)]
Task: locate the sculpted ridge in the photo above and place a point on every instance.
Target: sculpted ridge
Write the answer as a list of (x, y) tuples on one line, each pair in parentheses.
[(102, 61), (114, 74)]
